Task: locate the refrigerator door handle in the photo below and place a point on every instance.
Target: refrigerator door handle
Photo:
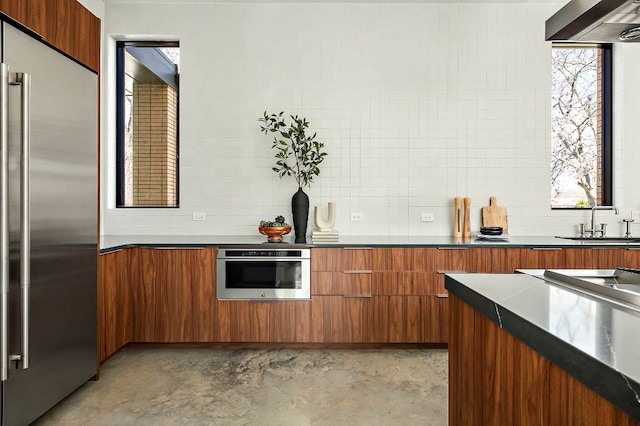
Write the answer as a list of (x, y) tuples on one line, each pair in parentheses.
[(24, 81), (4, 222)]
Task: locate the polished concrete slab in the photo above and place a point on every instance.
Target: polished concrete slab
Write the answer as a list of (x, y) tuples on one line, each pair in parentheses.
[(262, 387)]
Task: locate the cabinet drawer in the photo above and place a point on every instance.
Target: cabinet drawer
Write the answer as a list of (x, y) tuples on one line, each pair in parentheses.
[(340, 283), (425, 283), (341, 259), (434, 259), (427, 319)]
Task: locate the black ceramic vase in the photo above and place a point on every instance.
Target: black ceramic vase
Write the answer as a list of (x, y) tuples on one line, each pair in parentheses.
[(300, 212)]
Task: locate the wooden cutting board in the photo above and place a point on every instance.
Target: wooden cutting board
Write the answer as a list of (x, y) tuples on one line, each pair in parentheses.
[(494, 215)]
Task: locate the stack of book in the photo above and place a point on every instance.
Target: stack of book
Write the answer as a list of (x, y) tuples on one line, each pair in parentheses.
[(325, 236)]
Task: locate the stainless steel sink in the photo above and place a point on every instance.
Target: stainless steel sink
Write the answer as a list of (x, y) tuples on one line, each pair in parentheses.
[(622, 284), (603, 240)]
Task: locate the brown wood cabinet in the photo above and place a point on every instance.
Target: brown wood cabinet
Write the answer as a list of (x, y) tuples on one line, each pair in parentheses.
[(357, 295), (377, 295), (152, 295), (174, 295), (16, 9), (115, 303), (64, 24), (495, 379), (427, 319), (264, 321)]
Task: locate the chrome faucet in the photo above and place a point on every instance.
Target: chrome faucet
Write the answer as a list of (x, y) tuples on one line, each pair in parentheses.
[(603, 228)]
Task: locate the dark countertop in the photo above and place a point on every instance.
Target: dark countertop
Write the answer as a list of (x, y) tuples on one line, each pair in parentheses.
[(110, 243), (594, 340)]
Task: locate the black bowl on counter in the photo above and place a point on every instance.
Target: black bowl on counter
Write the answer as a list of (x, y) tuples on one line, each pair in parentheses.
[(491, 230)]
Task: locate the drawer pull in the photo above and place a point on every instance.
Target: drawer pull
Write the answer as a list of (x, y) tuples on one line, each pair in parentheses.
[(450, 272), (357, 248), (442, 296), (357, 296), (363, 271), (547, 248), (452, 248)]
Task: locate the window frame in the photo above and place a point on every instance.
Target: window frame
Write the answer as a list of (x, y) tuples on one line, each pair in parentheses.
[(605, 123), (120, 124)]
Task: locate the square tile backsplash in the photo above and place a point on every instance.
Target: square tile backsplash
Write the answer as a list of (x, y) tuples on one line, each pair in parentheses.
[(416, 104)]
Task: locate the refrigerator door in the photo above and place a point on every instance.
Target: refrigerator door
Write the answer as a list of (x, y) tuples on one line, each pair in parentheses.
[(63, 235)]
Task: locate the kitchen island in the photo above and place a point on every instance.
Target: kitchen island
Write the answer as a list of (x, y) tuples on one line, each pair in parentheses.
[(525, 351)]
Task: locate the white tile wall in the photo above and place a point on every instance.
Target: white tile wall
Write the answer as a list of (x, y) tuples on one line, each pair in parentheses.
[(416, 103)]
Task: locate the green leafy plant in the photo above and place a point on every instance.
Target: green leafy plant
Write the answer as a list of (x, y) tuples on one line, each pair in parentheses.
[(297, 154)]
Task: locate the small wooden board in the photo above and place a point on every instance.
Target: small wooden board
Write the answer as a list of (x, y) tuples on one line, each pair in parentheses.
[(494, 215)]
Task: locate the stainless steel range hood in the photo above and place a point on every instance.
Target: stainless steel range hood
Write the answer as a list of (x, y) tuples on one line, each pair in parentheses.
[(604, 21)]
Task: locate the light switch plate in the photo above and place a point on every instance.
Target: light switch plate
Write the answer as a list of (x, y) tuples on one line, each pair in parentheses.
[(199, 216), (427, 217)]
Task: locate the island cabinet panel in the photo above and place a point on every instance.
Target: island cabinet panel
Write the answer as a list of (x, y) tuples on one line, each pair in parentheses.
[(495, 379), (115, 303), (264, 321)]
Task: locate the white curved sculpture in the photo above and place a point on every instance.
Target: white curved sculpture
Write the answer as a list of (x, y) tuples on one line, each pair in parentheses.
[(318, 220)]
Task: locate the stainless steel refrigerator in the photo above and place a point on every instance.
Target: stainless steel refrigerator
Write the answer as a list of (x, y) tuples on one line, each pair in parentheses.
[(48, 258)]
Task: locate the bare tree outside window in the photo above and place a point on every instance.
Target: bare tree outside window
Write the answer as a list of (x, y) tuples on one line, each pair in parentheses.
[(576, 127)]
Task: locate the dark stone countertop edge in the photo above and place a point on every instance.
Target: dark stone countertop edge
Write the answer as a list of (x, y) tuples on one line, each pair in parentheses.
[(607, 382), (114, 243)]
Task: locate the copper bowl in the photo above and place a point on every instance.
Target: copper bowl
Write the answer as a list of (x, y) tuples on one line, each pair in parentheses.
[(274, 235)]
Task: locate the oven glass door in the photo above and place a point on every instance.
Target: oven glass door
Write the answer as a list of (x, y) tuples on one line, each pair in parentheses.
[(263, 274)]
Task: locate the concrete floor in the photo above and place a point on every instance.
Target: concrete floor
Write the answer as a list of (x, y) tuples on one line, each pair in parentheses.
[(261, 387)]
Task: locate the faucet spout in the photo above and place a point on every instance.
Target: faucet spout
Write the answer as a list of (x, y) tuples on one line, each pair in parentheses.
[(593, 217)]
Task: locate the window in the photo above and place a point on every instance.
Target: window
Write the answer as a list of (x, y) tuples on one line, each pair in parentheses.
[(581, 159), (147, 124)]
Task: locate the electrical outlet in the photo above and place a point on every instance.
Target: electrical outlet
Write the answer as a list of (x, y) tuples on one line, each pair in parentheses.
[(426, 217), (356, 217), (199, 216), (635, 215)]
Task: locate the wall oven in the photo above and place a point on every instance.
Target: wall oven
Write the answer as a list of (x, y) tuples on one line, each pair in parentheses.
[(263, 274)]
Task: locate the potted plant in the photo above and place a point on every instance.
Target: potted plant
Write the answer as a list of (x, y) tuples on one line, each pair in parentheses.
[(297, 155)]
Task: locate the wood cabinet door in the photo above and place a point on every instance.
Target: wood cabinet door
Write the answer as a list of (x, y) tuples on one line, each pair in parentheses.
[(340, 283), (156, 295), (425, 283), (437, 259), (387, 259), (357, 319), (17, 9), (341, 259), (115, 303), (264, 321), (427, 319), (196, 295), (495, 260), (542, 258)]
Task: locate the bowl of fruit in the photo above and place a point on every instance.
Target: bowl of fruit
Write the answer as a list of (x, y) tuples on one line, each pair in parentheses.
[(274, 230)]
